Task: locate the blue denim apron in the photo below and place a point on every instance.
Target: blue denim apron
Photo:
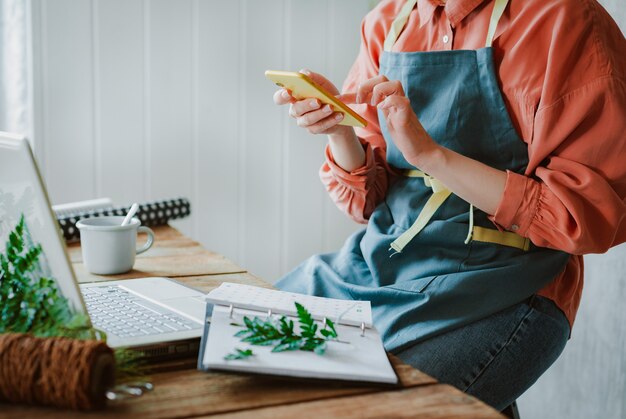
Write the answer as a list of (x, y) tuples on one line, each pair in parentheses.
[(439, 281)]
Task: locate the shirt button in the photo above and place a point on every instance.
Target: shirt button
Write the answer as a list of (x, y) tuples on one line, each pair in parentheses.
[(514, 227), (446, 39)]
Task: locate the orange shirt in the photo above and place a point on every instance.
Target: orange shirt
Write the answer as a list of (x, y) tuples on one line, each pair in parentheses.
[(561, 66)]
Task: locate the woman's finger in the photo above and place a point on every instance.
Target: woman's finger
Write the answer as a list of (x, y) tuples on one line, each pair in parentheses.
[(365, 89), (348, 98), (326, 123), (386, 89), (300, 107), (313, 117), (396, 109), (321, 80), (398, 102), (282, 97)]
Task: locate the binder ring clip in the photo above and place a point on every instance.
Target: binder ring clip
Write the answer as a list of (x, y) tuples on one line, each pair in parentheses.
[(230, 311), (362, 329), (129, 390)]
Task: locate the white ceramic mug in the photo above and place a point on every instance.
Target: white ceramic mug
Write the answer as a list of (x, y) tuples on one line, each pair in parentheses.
[(110, 248)]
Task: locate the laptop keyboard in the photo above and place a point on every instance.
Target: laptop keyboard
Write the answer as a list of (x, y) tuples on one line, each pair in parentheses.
[(125, 315)]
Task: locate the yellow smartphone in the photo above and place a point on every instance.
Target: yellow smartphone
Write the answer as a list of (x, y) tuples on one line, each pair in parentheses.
[(301, 87)]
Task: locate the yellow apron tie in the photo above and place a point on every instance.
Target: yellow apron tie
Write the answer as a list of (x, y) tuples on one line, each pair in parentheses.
[(403, 16), (496, 14), (470, 231), (474, 233), (505, 238), (440, 194), (398, 24)]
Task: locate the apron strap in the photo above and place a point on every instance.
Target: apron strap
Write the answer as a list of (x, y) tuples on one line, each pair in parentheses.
[(399, 22), (470, 230), (435, 201), (505, 238), (430, 208), (429, 181), (496, 14)]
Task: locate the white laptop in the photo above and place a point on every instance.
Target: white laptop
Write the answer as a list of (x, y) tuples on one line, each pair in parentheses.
[(159, 316)]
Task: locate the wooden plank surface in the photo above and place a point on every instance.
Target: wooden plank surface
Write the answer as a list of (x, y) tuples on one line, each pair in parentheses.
[(206, 283), (182, 391), (428, 401), (168, 266), (172, 255), (169, 242), (194, 393)]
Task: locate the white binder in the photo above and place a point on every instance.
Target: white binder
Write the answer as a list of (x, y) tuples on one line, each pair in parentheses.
[(357, 355)]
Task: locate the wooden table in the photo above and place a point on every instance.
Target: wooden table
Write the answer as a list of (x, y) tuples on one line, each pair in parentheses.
[(182, 391)]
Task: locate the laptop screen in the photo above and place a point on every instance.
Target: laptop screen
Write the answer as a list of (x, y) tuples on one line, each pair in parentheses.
[(29, 234)]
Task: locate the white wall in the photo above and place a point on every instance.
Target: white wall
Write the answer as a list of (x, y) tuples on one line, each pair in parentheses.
[(14, 52), (145, 99), (154, 99)]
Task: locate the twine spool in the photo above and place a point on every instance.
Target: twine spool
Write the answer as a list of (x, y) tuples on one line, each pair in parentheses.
[(61, 372)]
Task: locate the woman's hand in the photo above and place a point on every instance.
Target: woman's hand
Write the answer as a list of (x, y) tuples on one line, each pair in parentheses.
[(403, 125), (471, 180), (310, 113), (317, 119)]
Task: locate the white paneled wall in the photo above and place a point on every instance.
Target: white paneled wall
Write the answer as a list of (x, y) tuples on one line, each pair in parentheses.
[(149, 99)]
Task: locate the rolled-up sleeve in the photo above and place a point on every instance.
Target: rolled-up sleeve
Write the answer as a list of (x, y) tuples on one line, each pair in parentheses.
[(357, 193), (572, 197)]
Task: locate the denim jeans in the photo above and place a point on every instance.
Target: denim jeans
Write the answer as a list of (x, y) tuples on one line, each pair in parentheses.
[(499, 357)]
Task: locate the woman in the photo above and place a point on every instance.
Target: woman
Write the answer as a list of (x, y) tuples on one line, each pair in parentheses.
[(492, 160)]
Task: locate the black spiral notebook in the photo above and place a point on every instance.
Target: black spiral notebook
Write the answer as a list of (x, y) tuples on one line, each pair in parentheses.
[(357, 355), (152, 213)]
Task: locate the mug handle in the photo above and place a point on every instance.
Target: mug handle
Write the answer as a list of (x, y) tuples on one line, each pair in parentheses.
[(150, 240)]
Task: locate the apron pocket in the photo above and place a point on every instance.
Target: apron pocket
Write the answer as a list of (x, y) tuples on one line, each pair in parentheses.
[(417, 286)]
